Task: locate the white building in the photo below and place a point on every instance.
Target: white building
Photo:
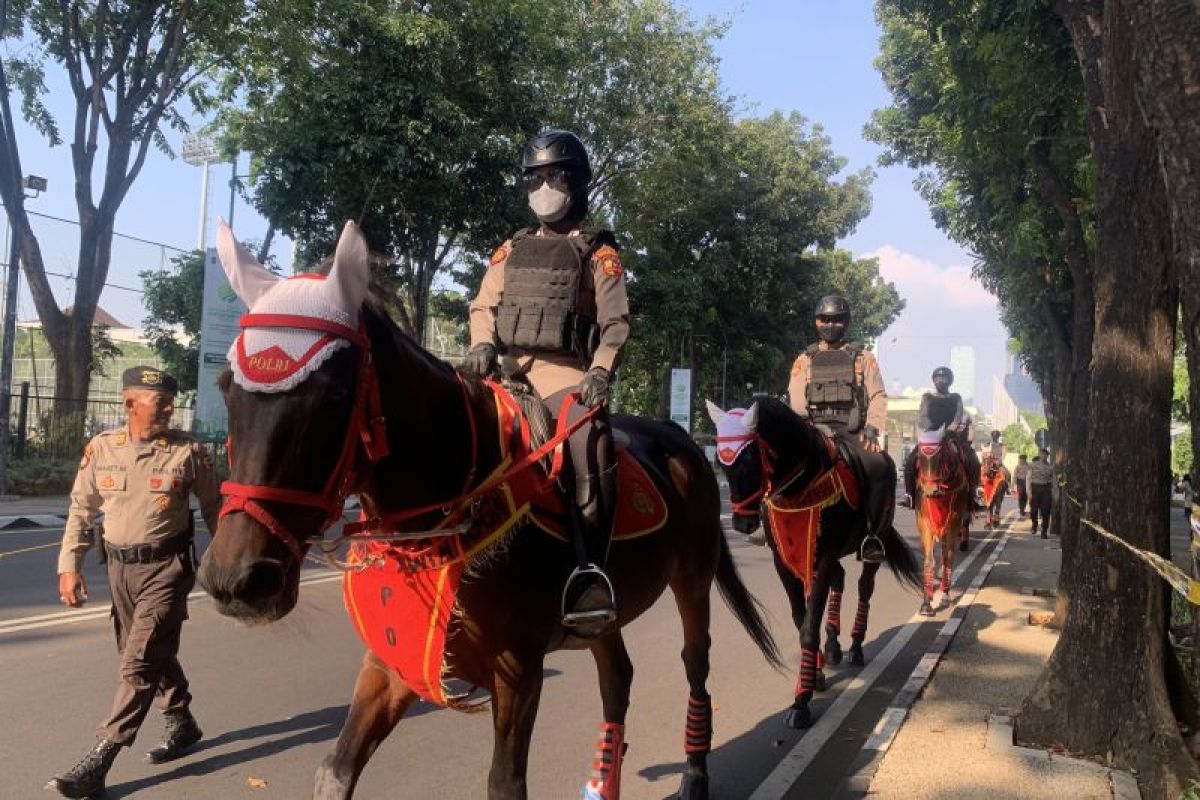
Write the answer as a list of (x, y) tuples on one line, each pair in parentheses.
[(962, 362)]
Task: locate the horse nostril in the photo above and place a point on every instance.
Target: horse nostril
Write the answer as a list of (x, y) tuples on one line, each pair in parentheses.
[(262, 580)]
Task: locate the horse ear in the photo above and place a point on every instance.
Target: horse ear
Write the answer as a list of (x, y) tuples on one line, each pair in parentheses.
[(249, 279), (750, 418), (714, 412), (351, 270)]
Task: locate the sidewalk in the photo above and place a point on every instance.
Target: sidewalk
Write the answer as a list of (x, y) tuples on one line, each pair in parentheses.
[(957, 740)]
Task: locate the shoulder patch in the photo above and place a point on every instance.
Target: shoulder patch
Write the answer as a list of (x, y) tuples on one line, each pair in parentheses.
[(607, 259), (500, 253)]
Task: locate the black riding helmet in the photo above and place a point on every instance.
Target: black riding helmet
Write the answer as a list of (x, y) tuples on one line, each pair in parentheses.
[(833, 317), (562, 149)]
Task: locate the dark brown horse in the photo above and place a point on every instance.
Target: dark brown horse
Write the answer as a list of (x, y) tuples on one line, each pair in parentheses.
[(291, 453), (776, 465)]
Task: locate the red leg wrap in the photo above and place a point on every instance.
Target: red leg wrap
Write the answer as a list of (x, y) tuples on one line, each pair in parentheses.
[(860, 620), (929, 584), (807, 681), (833, 613), (698, 734), (947, 574), (606, 769)]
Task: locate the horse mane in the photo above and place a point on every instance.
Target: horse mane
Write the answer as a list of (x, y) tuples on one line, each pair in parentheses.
[(784, 428), (377, 314)]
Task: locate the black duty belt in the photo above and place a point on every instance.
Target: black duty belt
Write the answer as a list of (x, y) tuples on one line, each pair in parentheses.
[(148, 553)]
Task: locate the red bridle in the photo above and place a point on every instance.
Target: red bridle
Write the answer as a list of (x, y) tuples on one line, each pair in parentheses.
[(749, 506), (367, 426)]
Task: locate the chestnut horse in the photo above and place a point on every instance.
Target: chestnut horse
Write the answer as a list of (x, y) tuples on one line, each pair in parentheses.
[(941, 506), (365, 410), (771, 455), (993, 480)]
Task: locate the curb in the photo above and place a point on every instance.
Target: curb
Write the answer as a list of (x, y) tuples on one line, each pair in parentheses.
[(866, 764), (32, 521), (1000, 739)]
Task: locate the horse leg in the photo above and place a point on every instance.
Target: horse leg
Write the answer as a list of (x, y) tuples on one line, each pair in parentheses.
[(947, 571), (380, 699), (833, 616), (866, 588), (798, 713), (616, 676), (517, 689), (811, 677), (694, 611), (928, 541)]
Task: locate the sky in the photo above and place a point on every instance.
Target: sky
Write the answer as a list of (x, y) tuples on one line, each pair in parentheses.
[(810, 56)]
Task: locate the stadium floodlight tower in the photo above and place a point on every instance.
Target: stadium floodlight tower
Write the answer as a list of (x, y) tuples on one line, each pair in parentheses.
[(200, 151)]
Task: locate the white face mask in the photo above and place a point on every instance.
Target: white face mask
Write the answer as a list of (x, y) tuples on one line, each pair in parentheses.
[(549, 204)]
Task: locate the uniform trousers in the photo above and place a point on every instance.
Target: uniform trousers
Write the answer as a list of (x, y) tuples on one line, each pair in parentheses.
[(1040, 500), (1022, 497), (149, 605)]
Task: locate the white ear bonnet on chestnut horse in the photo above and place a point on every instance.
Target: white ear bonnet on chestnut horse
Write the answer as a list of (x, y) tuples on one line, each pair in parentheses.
[(277, 359)]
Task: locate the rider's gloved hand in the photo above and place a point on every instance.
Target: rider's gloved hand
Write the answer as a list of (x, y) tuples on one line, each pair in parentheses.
[(594, 389), (481, 360), (870, 439)]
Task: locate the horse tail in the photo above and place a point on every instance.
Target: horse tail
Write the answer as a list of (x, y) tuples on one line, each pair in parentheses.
[(745, 606), (900, 558)]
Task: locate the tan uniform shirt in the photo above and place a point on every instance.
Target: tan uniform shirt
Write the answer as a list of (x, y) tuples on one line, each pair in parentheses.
[(602, 286), (142, 488), (1021, 472), (873, 389), (1040, 474)]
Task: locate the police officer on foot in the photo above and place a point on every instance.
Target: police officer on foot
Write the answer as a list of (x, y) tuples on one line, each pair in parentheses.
[(1041, 491), (553, 300), (837, 383), (140, 476), (943, 408)]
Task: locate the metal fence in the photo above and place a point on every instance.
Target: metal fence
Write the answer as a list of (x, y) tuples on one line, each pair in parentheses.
[(47, 427)]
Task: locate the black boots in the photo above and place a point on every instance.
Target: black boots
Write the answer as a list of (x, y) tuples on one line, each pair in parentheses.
[(182, 732), (588, 605), (86, 779)]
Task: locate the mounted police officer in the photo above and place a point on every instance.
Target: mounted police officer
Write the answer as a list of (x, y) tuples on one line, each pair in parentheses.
[(942, 408), (140, 476), (553, 301), (836, 382)]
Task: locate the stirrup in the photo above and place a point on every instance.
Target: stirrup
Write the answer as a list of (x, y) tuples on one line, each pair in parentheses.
[(863, 546), (600, 615)]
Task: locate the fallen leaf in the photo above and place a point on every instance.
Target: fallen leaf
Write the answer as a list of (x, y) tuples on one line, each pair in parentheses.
[(256, 783)]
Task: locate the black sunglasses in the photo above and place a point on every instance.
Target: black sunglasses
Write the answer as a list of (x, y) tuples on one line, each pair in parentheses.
[(556, 177)]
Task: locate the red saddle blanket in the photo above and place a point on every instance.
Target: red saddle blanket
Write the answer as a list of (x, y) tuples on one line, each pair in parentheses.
[(404, 597), (796, 521)]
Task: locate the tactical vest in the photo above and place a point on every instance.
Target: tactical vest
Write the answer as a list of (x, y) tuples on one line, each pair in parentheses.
[(541, 308), (835, 393), (942, 409)]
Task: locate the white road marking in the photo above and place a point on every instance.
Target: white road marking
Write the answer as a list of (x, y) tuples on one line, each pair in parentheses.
[(81, 615), (792, 766)]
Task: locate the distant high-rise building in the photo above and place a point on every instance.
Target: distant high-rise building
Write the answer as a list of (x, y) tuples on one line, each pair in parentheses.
[(962, 362)]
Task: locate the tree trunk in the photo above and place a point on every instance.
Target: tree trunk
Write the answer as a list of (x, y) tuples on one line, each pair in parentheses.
[(1104, 689)]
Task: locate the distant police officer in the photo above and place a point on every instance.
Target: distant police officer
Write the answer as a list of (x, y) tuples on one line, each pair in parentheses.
[(837, 383), (943, 408), (1020, 478), (140, 476), (1041, 491), (553, 299)]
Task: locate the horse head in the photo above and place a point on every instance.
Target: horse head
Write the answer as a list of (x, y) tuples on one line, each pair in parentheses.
[(295, 395), (763, 449), (936, 462)]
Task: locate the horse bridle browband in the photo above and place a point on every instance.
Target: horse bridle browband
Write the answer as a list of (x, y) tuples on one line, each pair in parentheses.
[(749, 506), (367, 425)]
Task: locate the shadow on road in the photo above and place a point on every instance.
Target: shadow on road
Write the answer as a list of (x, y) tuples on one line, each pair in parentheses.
[(308, 728)]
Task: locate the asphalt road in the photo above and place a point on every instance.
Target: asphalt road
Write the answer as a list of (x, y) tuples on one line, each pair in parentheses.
[(272, 699)]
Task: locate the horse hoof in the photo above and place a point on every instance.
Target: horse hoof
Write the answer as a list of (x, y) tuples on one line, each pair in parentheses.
[(819, 683), (833, 652), (856, 657), (694, 787), (926, 609), (798, 718)]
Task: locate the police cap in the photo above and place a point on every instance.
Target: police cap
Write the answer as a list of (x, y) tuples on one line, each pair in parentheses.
[(149, 378)]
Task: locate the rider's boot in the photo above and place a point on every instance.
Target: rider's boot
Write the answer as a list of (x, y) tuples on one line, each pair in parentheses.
[(588, 605), (910, 480), (880, 496), (86, 779)]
